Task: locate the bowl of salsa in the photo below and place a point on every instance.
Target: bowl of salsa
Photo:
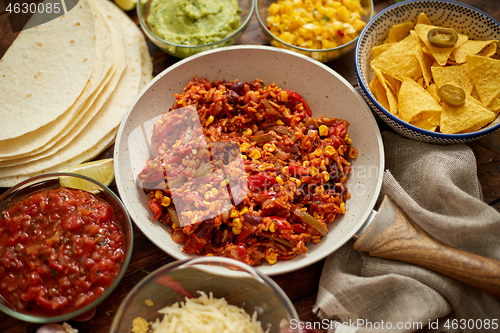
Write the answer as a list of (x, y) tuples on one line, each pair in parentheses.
[(64, 249)]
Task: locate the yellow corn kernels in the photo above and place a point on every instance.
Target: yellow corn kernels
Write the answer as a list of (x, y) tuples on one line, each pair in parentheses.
[(279, 180), (342, 207), (353, 153), (318, 152), (272, 227), (166, 201), (234, 213), (247, 132), (313, 171), (244, 147), (315, 239), (255, 155), (271, 256), (323, 130), (244, 210), (326, 176), (270, 147), (209, 120)]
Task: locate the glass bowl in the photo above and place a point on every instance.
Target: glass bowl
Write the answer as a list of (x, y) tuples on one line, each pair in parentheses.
[(322, 55), (461, 17), (183, 51), (240, 284), (51, 181)]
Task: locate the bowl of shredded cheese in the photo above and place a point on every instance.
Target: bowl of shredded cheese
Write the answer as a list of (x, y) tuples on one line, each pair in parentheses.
[(206, 294), (324, 30)]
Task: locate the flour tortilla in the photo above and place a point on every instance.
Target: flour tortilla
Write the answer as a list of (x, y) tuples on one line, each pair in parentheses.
[(61, 66), (42, 139), (94, 151), (110, 114), (93, 103)]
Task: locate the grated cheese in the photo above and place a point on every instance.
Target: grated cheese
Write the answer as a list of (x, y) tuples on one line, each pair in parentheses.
[(206, 314)]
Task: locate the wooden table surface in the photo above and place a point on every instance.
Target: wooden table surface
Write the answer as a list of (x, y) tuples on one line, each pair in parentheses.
[(300, 286)]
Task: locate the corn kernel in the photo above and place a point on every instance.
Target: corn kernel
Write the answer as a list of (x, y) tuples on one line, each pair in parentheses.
[(237, 223), (234, 213), (262, 167), (323, 130), (244, 210), (245, 157), (316, 215), (224, 182), (318, 152), (209, 120), (255, 155), (272, 227), (247, 132), (284, 96), (236, 231), (326, 176), (279, 180), (353, 153), (319, 189), (342, 207), (279, 122), (255, 128), (271, 256), (158, 194), (285, 170), (341, 150), (270, 147), (244, 147), (214, 191), (166, 201), (211, 254), (313, 171), (208, 195), (331, 151)]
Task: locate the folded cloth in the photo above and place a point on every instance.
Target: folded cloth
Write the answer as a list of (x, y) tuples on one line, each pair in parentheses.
[(438, 188)]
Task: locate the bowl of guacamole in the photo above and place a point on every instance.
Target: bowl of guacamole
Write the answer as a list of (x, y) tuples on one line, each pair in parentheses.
[(186, 27)]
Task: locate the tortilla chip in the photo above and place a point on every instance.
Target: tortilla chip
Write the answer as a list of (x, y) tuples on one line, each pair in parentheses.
[(485, 74), (422, 19), (455, 75), (379, 91), (427, 120), (470, 116), (473, 47), (490, 51), (413, 100), (399, 32), (441, 54), (390, 96), (432, 90), (495, 105), (425, 62), (398, 62), (378, 50)]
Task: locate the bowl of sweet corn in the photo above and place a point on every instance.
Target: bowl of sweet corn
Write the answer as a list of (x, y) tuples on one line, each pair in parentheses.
[(324, 30)]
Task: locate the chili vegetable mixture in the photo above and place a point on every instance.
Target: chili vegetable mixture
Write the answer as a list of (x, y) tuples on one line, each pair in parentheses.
[(257, 178)]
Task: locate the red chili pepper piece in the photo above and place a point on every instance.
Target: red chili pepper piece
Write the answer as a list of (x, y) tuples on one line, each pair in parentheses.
[(341, 33), (156, 208), (296, 98), (297, 170), (261, 181)]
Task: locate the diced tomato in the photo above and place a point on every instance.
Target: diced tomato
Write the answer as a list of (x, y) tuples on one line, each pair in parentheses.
[(156, 208), (295, 98), (261, 181), (242, 237)]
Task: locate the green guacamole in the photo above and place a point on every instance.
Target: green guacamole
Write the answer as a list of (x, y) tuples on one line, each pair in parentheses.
[(194, 22)]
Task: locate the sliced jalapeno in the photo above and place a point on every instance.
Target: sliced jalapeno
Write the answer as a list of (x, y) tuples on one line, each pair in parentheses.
[(442, 37), (451, 95)]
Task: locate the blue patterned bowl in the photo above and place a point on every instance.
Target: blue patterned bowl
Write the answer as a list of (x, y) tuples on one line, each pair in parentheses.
[(463, 18)]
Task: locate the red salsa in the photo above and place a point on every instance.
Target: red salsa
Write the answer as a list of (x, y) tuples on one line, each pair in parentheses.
[(59, 250)]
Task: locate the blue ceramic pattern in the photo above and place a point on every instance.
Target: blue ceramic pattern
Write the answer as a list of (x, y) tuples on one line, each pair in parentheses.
[(463, 18)]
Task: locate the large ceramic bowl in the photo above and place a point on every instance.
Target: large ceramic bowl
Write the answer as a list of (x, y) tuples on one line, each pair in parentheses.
[(326, 92), (50, 182), (323, 55), (183, 51), (463, 18), (239, 284)]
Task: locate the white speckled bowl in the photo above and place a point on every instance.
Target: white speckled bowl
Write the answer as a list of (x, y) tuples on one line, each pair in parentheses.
[(463, 18), (326, 92)]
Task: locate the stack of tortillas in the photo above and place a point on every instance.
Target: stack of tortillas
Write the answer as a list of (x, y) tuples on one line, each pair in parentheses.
[(65, 86)]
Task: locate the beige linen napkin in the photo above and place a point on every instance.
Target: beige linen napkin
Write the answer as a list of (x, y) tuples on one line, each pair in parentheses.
[(438, 188)]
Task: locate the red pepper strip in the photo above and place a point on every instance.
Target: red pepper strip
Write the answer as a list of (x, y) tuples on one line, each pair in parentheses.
[(242, 237), (261, 180), (166, 130), (298, 228), (156, 208), (340, 130), (297, 170), (298, 99), (281, 222), (175, 285)]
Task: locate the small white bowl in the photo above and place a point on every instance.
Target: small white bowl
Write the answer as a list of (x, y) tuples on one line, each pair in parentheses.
[(463, 18)]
